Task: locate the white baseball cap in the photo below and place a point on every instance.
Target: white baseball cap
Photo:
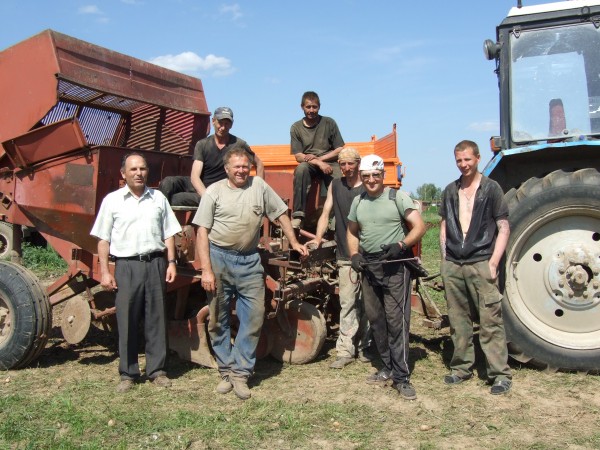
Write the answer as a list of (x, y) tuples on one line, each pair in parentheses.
[(371, 162)]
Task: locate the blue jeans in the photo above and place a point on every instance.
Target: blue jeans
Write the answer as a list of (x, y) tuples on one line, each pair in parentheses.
[(240, 276)]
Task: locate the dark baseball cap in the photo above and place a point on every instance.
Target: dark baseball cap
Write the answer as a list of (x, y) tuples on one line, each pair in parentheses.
[(223, 112)]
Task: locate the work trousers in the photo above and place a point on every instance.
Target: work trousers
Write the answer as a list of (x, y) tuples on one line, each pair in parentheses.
[(354, 332), (473, 296), (303, 176), (141, 296), (179, 191), (386, 291), (238, 276)]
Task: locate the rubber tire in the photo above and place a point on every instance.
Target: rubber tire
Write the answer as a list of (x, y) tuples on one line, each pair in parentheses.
[(308, 329), (533, 200), (30, 316), (6, 239)]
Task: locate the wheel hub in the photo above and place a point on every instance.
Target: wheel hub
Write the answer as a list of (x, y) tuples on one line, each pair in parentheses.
[(4, 321), (572, 277)]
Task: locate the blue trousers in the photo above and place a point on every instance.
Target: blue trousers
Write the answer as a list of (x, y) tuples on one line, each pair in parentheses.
[(238, 276)]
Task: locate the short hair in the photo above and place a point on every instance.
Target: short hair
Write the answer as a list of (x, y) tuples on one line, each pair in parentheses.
[(310, 95), (349, 154), (239, 152), (127, 155), (466, 144)]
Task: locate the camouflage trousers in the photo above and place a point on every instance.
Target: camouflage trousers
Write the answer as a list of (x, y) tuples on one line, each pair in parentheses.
[(473, 296), (354, 331)]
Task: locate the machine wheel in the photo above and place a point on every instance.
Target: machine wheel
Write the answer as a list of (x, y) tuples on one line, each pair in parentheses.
[(25, 316), (552, 285), (298, 332), (6, 234)]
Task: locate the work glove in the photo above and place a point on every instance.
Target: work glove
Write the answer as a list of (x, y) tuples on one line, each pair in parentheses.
[(392, 251), (357, 262)]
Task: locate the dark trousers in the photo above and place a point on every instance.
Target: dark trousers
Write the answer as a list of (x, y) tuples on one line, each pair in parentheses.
[(179, 191), (303, 176), (386, 293), (141, 296)]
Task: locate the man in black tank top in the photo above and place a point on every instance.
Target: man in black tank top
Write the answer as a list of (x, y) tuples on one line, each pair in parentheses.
[(208, 167), (354, 332)]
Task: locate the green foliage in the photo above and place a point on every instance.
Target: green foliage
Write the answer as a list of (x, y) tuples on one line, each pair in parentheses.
[(429, 192), (43, 261)]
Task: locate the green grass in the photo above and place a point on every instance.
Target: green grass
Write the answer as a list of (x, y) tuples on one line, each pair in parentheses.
[(43, 261)]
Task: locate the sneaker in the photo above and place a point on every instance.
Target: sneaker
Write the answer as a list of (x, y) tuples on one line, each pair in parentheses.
[(382, 377), (341, 362), (297, 222), (240, 388), (124, 386), (406, 390), (224, 385), (161, 381), (454, 379), (501, 387)]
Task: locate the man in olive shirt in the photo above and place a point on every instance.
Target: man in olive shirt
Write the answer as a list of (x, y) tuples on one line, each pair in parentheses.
[(315, 143)]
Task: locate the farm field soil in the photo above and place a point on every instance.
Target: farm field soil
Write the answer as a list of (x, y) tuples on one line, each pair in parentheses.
[(68, 400)]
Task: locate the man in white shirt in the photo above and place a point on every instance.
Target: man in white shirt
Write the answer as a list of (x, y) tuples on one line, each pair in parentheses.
[(135, 224)]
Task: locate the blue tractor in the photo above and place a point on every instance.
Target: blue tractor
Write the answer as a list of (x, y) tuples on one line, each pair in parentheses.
[(547, 160)]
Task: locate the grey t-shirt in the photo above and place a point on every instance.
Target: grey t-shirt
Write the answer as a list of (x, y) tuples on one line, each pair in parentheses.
[(234, 216)]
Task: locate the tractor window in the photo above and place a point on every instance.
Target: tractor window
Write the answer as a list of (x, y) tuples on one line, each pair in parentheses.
[(555, 83)]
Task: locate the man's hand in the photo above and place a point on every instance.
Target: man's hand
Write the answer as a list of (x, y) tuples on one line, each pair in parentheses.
[(314, 243), (392, 251), (356, 261), (300, 248), (108, 282), (493, 269), (171, 273), (325, 168), (208, 280)]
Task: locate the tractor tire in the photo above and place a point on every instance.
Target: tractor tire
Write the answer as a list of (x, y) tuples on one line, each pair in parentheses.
[(298, 333), (25, 316), (6, 239), (552, 284)]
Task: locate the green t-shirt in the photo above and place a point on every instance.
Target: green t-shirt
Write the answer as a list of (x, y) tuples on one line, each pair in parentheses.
[(379, 219), (317, 140)]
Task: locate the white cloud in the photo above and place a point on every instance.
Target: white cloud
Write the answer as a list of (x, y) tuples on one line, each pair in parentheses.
[(190, 62), (133, 2), (90, 9), (234, 10), (489, 126)]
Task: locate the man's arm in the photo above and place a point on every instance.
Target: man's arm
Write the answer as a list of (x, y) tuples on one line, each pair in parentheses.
[(443, 239), (332, 155), (352, 237), (417, 227), (197, 167), (500, 246), (208, 276), (171, 266), (323, 222), (260, 167), (288, 231), (108, 282)]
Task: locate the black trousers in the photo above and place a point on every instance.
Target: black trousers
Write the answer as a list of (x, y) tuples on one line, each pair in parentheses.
[(180, 191), (303, 176), (141, 290), (386, 293)]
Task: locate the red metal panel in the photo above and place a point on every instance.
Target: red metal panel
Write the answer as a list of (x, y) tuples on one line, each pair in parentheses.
[(45, 143)]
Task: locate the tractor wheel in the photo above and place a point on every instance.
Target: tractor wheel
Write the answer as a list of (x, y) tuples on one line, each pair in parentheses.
[(6, 239), (552, 284), (298, 332), (25, 316)]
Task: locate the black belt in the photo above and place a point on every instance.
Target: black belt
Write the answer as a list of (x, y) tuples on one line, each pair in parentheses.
[(146, 257)]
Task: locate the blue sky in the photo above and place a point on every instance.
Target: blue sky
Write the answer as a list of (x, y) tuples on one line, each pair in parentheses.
[(417, 64)]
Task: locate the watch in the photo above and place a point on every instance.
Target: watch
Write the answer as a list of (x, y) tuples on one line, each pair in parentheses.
[(172, 261)]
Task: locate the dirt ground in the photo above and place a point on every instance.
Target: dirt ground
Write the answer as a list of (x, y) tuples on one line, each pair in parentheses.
[(544, 410)]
